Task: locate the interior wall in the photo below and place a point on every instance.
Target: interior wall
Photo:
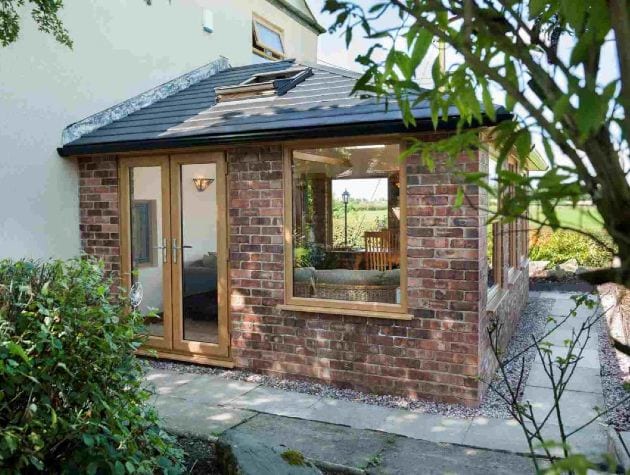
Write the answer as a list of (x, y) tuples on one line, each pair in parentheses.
[(199, 212), (147, 186), (121, 48)]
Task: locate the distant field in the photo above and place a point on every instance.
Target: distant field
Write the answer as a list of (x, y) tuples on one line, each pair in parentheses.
[(582, 217), (359, 221)]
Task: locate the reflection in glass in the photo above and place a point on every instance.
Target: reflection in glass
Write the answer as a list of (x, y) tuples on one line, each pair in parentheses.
[(346, 223), (146, 237), (199, 254), (492, 229)]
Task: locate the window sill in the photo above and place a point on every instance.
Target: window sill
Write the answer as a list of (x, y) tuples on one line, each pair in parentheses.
[(495, 300), (346, 311)]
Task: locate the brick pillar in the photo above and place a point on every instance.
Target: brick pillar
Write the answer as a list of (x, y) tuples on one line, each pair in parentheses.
[(444, 254), (256, 254), (99, 216)]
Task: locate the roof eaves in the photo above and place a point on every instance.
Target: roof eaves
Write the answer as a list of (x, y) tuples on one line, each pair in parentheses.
[(76, 130), (306, 19)]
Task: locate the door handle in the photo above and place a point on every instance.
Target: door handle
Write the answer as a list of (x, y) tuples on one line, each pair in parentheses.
[(175, 248), (164, 248)]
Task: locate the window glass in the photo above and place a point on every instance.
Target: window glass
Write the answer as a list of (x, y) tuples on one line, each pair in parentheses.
[(493, 228), (346, 223), (268, 38)]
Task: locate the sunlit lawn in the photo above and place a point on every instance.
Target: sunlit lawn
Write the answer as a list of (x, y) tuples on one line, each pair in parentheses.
[(582, 217)]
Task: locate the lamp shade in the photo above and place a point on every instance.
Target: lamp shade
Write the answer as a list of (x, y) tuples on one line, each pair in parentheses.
[(345, 196), (202, 183)]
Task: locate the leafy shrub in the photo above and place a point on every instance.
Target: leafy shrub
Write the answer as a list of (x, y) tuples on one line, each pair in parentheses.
[(562, 245), (72, 399)]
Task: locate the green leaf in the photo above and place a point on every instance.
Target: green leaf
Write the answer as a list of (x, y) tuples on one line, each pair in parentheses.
[(17, 350), (488, 105), (459, 197), (420, 47)]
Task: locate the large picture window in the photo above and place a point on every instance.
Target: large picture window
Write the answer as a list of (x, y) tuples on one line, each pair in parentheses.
[(347, 227)]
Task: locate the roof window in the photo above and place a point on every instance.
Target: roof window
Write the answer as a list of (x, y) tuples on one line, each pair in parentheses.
[(271, 83), (267, 42)]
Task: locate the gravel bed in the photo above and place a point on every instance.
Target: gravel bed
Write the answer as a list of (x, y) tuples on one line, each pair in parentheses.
[(532, 322), (612, 382)]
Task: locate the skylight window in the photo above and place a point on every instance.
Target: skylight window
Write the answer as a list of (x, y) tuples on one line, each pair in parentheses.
[(267, 40), (270, 83)]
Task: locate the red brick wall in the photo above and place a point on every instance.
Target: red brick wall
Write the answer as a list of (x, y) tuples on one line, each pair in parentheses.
[(437, 355), (434, 356), (98, 204)]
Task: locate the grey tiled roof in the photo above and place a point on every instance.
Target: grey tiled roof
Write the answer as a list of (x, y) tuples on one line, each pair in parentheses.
[(322, 100)]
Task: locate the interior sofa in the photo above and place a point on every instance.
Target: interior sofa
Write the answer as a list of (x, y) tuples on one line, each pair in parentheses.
[(345, 284)]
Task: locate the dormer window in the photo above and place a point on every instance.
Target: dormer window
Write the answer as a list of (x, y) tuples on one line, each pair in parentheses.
[(267, 41), (271, 83)]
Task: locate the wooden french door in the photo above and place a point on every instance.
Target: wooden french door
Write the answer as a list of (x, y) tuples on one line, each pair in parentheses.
[(174, 250)]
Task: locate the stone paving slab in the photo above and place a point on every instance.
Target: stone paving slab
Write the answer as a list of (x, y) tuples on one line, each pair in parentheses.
[(318, 440), (583, 379), (588, 359), (496, 434), (276, 401), (507, 435), (214, 390), (576, 407), (193, 419), (166, 382), (408, 456), (349, 413), (429, 427), (563, 307)]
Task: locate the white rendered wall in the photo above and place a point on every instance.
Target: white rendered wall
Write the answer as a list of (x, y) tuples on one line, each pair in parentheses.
[(122, 48)]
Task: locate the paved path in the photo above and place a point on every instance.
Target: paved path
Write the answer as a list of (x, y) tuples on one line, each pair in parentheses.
[(207, 405)]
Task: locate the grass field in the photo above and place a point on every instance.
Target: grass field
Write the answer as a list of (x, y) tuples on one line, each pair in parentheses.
[(359, 221), (582, 217)]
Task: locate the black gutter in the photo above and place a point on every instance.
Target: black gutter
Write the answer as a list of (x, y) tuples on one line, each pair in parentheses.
[(344, 130)]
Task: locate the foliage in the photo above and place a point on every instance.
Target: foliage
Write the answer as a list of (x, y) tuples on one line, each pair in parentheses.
[(560, 246), (45, 13), (72, 399), (558, 96), (294, 457)]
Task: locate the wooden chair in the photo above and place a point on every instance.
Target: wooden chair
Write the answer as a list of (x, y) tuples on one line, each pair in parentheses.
[(382, 249)]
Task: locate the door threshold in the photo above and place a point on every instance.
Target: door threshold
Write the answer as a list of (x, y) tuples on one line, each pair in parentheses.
[(187, 358)]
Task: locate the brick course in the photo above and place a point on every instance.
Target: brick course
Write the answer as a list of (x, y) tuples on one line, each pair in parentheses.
[(99, 215)]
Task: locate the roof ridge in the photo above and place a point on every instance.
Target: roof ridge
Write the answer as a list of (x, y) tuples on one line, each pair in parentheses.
[(332, 69), (255, 65), (105, 117)]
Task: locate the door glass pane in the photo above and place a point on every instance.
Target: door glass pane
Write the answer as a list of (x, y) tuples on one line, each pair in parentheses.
[(199, 252), (145, 190)]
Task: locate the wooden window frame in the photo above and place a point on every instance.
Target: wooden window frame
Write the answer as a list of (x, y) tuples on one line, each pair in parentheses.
[(513, 228), (341, 307), (264, 49)]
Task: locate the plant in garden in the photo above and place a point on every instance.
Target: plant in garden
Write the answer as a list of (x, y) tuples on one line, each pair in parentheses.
[(72, 398), (545, 58), (559, 364), (560, 246)]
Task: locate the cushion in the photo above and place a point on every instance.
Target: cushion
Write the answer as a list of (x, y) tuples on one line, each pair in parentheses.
[(303, 274), (358, 277)]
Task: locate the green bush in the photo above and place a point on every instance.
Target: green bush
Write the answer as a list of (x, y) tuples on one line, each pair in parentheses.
[(72, 397), (560, 246)]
